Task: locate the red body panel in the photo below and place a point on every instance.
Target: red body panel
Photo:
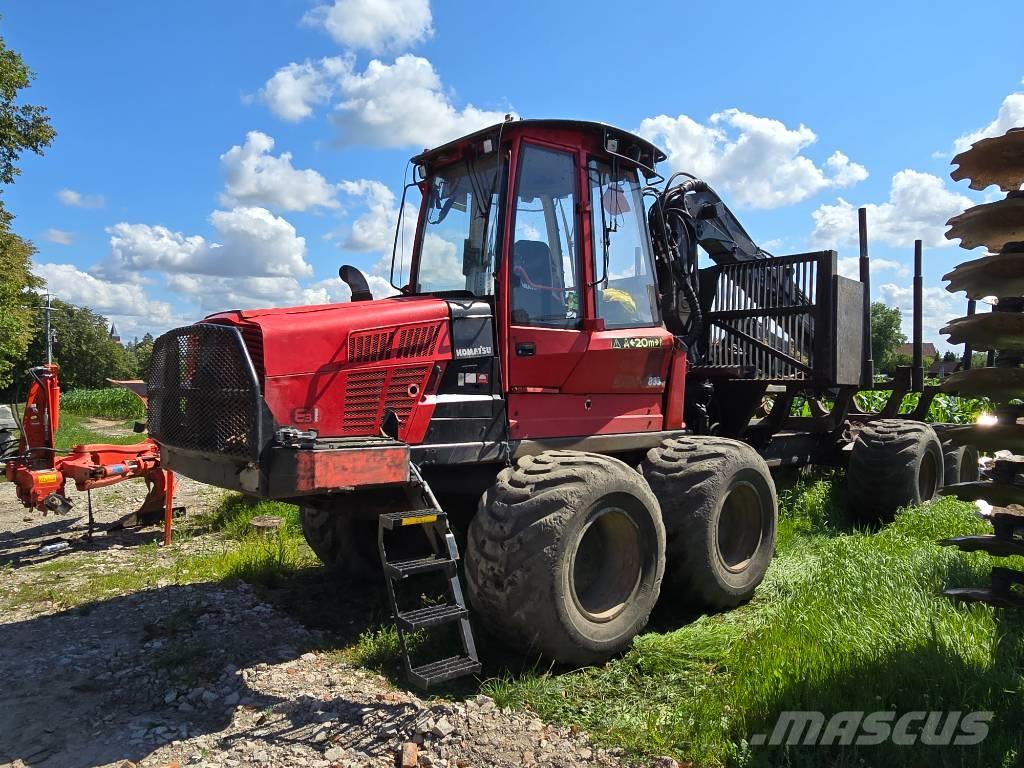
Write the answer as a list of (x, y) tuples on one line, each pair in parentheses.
[(335, 368), (349, 468)]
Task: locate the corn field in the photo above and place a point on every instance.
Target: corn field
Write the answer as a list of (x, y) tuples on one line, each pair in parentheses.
[(113, 403)]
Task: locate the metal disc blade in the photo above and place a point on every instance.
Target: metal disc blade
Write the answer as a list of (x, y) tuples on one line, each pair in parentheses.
[(996, 494), (998, 160), (989, 330), (988, 437), (997, 383), (992, 224), (998, 275)]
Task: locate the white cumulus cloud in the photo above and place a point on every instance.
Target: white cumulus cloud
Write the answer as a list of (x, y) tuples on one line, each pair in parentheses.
[(255, 177), (756, 161), (59, 236), (918, 207), (75, 199), (1010, 115), (850, 267), (251, 242), (386, 105), (938, 307), (374, 25), (295, 89)]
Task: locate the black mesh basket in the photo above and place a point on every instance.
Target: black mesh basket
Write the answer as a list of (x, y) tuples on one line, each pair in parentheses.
[(203, 392)]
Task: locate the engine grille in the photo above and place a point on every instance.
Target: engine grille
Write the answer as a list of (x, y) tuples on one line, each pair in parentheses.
[(203, 392), (405, 343), (369, 393)]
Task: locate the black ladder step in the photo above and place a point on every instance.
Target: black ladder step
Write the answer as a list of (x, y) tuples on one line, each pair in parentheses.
[(399, 569), (394, 520), (446, 669), (431, 616)]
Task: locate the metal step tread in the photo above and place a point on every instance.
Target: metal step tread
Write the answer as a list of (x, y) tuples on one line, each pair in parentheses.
[(428, 516), (432, 615), (445, 669), (399, 569)]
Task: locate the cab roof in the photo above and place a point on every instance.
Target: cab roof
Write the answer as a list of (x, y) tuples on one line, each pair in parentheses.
[(629, 145)]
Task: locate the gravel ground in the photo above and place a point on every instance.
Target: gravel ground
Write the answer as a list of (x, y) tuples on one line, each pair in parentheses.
[(212, 675)]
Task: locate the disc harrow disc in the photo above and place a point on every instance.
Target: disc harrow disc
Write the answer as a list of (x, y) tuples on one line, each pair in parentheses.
[(988, 437), (998, 160), (988, 330), (997, 383), (998, 275), (991, 224)]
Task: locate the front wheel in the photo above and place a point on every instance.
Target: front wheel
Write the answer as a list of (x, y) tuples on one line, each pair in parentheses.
[(566, 555)]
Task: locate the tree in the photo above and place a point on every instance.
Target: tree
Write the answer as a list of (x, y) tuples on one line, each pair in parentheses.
[(886, 335), (950, 356), (22, 126), (17, 319)]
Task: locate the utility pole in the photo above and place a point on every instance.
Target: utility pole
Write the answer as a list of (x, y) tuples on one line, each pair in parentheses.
[(49, 334)]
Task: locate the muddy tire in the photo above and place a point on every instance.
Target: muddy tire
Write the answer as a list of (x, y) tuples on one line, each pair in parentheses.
[(565, 556), (720, 512), (960, 462), (894, 463), (345, 544)]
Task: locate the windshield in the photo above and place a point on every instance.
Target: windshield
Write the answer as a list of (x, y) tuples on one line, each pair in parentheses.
[(460, 231)]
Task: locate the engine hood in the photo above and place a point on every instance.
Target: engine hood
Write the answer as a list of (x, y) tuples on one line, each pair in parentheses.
[(293, 341)]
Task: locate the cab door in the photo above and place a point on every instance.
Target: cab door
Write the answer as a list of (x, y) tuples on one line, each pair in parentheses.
[(546, 337)]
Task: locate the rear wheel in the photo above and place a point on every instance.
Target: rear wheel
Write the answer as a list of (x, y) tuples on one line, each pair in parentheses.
[(960, 462), (566, 555), (895, 463), (720, 511)]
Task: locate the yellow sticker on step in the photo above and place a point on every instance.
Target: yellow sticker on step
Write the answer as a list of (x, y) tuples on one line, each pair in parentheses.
[(47, 478), (420, 520)]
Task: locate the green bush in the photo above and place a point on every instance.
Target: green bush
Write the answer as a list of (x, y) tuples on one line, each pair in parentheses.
[(113, 403)]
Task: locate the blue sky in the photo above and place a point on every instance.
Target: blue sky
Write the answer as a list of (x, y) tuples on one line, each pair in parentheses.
[(215, 155)]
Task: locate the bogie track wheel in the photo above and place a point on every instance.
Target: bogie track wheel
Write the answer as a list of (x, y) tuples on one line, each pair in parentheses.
[(720, 511)]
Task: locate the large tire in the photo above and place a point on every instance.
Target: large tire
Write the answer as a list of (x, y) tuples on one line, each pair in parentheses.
[(960, 462), (565, 556), (894, 463), (344, 543), (721, 513)]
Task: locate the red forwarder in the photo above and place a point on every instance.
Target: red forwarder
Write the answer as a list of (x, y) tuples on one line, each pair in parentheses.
[(554, 332)]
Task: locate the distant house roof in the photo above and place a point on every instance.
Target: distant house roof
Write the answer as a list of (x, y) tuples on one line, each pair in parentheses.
[(942, 368), (927, 348)]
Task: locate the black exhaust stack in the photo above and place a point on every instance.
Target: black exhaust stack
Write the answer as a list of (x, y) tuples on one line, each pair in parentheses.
[(867, 377), (917, 373)]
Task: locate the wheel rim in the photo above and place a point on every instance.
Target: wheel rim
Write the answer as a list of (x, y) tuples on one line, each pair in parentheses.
[(739, 527), (927, 478), (607, 564)]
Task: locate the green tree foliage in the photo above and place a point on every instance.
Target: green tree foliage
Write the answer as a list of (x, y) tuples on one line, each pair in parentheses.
[(22, 127), (886, 335), (17, 320), (139, 353)]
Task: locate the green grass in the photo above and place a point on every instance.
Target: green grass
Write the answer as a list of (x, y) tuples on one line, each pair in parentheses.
[(846, 620), (73, 431), (112, 403)]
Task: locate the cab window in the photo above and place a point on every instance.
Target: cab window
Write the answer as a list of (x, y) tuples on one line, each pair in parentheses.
[(627, 298), (544, 275)]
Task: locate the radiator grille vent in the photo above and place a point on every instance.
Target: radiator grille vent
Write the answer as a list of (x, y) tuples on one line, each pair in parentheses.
[(401, 344), (369, 393)]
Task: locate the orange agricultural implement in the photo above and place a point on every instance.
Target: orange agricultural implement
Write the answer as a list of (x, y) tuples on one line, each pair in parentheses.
[(40, 471)]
